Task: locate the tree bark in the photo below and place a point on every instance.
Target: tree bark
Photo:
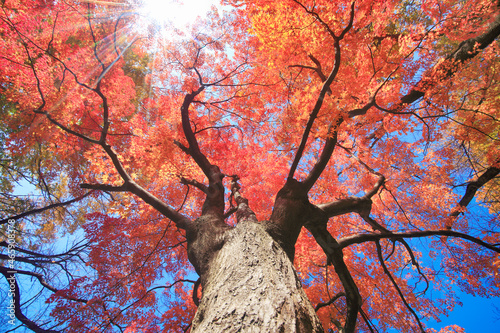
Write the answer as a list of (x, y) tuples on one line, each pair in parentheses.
[(251, 286)]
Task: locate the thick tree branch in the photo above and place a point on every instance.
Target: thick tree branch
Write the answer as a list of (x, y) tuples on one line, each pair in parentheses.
[(16, 298), (360, 205), (324, 158), (130, 186), (116, 163), (180, 220), (317, 225), (345, 206), (194, 148), (362, 238), (182, 147), (104, 187), (214, 202), (336, 257), (473, 187)]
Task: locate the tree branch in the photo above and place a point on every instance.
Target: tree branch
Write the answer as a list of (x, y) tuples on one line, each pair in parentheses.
[(39, 210), (394, 283), (194, 183), (467, 50), (179, 219), (324, 158), (214, 202), (317, 225), (317, 107), (194, 148), (243, 212), (44, 283), (104, 187), (326, 84), (330, 301), (345, 206), (318, 69), (77, 248), (473, 187), (16, 299), (361, 205), (362, 238)]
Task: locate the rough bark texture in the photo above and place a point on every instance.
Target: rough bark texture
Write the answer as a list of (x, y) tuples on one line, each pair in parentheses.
[(251, 286)]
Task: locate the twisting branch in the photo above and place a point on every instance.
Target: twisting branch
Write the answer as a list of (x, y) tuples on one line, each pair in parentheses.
[(214, 202), (16, 298), (413, 261), (396, 286), (243, 211), (194, 148)]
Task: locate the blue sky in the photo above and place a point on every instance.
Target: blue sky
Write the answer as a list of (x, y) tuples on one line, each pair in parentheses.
[(477, 315)]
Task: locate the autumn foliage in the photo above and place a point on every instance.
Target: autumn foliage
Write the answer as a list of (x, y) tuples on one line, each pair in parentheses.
[(385, 112)]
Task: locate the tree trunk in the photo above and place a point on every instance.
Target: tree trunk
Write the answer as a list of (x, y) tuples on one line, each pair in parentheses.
[(251, 286)]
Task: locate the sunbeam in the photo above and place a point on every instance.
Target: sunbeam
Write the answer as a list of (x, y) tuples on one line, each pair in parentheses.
[(174, 12)]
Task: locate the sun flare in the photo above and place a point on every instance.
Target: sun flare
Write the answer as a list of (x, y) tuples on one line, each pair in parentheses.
[(178, 13)]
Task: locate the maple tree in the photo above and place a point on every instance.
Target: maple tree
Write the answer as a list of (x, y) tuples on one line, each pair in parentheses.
[(305, 157)]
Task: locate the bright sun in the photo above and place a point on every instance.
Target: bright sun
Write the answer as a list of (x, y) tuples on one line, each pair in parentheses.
[(178, 13)]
